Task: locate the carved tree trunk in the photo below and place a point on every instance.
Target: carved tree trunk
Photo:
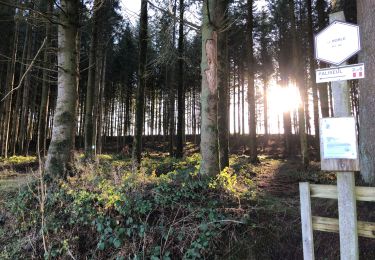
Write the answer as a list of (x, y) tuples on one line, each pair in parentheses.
[(209, 94)]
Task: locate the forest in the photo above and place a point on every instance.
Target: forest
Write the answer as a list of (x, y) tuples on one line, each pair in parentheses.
[(175, 129)]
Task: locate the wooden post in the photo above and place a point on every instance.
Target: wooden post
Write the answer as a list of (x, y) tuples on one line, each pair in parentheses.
[(306, 220), (345, 180)]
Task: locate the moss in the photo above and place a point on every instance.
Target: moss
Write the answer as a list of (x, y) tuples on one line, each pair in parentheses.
[(65, 118)]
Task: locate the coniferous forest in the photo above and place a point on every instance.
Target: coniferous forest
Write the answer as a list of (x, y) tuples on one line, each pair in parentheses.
[(173, 129)]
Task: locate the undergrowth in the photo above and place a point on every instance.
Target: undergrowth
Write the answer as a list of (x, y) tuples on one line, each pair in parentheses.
[(165, 211)]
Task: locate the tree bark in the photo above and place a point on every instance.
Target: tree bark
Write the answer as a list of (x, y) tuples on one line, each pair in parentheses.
[(312, 74), (299, 82), (365, 10), (180, 90), (59, 157), (323, 87), (250, 85), (90, 89), (43, 108), (137, 140), (209, 94), (223, 86), (9, 85)]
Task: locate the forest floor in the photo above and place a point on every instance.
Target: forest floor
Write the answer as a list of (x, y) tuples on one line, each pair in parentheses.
[(249, 212)]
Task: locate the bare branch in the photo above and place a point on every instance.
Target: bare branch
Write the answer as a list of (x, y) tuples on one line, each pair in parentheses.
[(27, 70), (190, 24), (24, 7)]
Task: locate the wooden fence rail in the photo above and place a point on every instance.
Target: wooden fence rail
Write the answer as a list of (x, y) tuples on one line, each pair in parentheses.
[(310, 223)]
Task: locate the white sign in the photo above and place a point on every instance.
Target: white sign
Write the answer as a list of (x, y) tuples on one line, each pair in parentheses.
[(337, 42), (356, 71), (339, 138)]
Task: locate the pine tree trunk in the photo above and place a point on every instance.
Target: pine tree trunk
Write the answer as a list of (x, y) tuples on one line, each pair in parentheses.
[(43, 109), (180, 89), (209, 94), (17, 108), (90, 89), (365, 9), (234, 100), (137, 140), (58, 162), (300, 84), (312, 74), (9, 85), (323, 87), (25, 97), (171, 101), (99, 135), (223, 87), (265, 107), (250, 85)]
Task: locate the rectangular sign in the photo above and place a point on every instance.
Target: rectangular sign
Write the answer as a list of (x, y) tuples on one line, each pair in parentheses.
[(356, 71), (339, 138)]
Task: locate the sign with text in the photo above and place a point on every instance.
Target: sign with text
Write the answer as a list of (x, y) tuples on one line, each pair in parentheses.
[(339, 146), (339, 138), (337, 42), (356, 71)]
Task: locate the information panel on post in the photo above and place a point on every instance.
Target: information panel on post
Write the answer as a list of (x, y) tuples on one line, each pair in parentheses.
[(338, 144)]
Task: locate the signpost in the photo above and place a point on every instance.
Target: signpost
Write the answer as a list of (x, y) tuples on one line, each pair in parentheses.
[(356, 71), (335, 44)]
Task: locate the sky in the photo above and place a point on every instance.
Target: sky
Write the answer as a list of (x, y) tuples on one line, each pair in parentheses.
[(131, 8)]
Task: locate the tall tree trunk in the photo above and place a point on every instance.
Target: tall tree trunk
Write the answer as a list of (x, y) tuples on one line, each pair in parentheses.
[(223, 86), (180, 90), (240, 83), (137, 140), (243, 103), (60, 151), (43, 108), (171, 111), (90, 88), (250, 85), (323, 87), (9, 86), (26, 96), (265, 106), (17, 108), (299, 82), (234, 99), (365, 9), (209, 94), (99, 135), (312, 74)]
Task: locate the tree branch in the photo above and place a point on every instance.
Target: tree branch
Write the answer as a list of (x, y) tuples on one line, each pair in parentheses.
[(27, 70), (190, 24)]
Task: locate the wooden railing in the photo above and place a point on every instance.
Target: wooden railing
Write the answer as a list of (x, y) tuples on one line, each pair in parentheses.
[(310, 223)]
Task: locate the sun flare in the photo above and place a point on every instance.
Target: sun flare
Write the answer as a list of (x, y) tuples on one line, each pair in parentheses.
[(284, 99)]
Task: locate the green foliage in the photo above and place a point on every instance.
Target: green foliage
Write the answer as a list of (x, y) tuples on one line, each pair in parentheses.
[(18, 159), (173, 214)]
